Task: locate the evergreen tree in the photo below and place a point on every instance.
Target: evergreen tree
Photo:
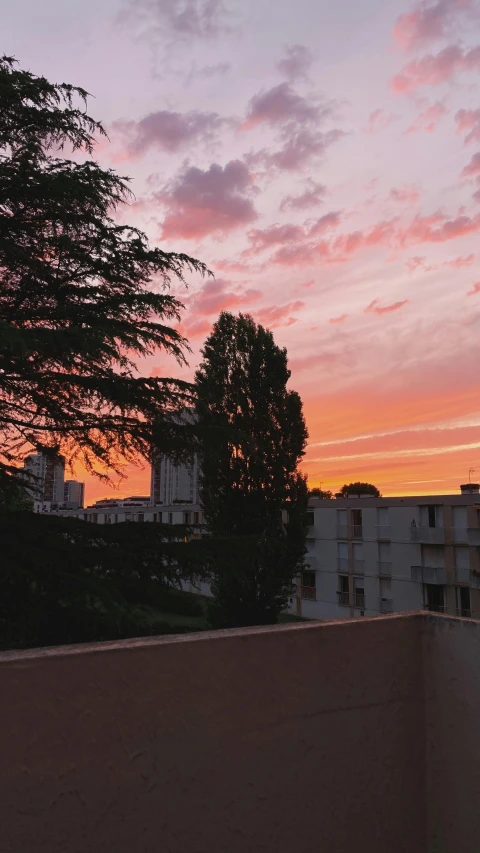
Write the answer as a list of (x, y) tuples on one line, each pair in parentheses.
[(80, 295), (323, 494), (254, 436)]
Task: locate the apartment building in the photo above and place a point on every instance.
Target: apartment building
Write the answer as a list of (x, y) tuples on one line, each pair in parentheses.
[(172, 483), (47, 476), (73, 494), (371, 555)]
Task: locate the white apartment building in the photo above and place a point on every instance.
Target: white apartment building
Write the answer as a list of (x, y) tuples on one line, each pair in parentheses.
[(172, 483), (383, 555), (47, 478), (73, 493)]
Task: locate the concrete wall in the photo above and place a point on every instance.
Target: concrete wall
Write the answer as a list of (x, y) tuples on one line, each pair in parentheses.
[(304, 737), (452, 712)]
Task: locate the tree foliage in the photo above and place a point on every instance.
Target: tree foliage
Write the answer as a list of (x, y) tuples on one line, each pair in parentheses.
[(359, 489), (320, 493), (254, 436), (68, 581), (81, 296)]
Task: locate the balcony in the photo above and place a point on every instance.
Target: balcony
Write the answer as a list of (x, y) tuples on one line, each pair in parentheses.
[(342, 531), (464, 613), (384, 568), (385, 605), (428, 535), (357, 531), (429, 574), (383, 531), (462, 574), (184, 744), (342, 564), (473, 535), (343, 598), (308, 592)]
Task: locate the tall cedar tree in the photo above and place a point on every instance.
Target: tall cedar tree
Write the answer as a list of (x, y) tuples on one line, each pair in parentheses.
[(80, 295), (254, 437)]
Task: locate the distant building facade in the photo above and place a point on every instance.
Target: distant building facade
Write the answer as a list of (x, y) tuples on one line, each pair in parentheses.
[(73, 494), (174, 484), (47, 478), (371, 555)]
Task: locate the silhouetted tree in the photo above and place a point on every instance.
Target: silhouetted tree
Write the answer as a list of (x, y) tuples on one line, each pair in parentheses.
[(80, 295), (359, 489), (254, 436), (320, 493)]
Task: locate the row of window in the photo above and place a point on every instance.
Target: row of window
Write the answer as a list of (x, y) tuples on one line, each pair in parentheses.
[(434, 595), (160, 517), (430, 515)]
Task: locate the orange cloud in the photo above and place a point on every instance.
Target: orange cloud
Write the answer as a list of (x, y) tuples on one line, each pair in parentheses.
[(340, 319), (375, 308), (475, 289)]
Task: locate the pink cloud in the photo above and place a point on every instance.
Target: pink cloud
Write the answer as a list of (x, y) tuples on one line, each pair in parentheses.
[(428, 119), (309, 198), (469, 120), (436, 228), (426, 23), (340, 319), (296, 62), (299, 149), (431, 70), (418, 262), (190, 19), (379, 120), (473, 168), (218, 295), (288, 234), (475, 289), (214, 201), (458, 263), (407, 193), (279, 315), (168, 131), (280, 105), (375, 308)]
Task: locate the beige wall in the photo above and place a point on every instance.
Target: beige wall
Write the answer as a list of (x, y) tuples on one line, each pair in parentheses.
[(300, 738)]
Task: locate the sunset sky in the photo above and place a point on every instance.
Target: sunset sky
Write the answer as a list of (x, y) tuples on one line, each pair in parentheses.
[(323, 159)]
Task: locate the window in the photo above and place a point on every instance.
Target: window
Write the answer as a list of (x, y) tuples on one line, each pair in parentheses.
[(463, 601), (432, 516), (357, 522), (358, 555), (115, 518), (141, 516), (343, 590), (186, 518), (358, 593), (196, 517), (170, 517), (308, 587), (434, 597), (341, 523), (310, 519), (460, 517), (342, 556)]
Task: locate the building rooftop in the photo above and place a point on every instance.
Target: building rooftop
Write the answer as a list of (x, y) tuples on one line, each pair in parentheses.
[(348, 736)]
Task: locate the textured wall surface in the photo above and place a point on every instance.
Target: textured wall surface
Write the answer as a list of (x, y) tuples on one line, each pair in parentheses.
[(300, 738), (452, 712)]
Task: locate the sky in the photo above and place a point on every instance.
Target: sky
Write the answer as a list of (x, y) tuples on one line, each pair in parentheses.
[(323, 160)]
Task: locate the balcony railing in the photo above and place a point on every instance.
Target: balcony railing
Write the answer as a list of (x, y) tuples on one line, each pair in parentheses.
[(386, 605), (429, 574), (464, 612), (341, 531), (344, 598), (342, 564), (435, 608), (462, 574), (384, 568), (429, 535), (383, 531), (357, 531), (308, 592), (359, 600), (460, 534)]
